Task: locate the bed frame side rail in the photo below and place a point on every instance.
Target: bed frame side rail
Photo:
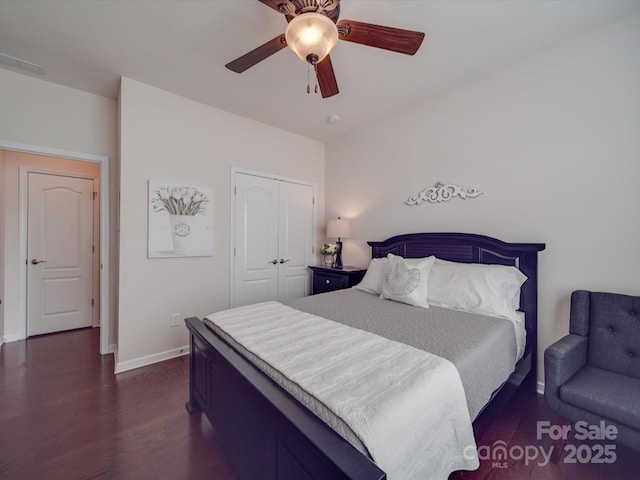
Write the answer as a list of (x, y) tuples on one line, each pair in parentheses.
[(267, 433)]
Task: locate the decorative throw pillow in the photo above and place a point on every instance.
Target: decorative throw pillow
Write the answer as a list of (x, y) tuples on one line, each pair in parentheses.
[(373, 279), (407, 280), (485, 289)]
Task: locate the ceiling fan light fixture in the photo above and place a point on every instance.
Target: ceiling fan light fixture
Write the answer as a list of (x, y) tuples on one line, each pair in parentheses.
[(311, 36)]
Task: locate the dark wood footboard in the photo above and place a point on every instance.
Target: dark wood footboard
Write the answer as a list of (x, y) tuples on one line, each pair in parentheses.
[(267, 433)]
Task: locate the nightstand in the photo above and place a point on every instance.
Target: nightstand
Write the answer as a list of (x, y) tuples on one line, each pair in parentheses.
[(328, 279)]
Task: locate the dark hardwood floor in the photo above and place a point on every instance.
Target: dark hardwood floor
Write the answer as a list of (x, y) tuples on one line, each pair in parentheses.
[(518, 430), (65, 415)]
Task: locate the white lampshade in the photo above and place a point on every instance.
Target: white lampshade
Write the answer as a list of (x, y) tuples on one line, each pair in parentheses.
[(338, 228), (311, 36)]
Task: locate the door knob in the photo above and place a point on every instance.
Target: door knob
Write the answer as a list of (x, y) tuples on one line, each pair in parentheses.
[(274, 261), (284, 261), (35, 262)]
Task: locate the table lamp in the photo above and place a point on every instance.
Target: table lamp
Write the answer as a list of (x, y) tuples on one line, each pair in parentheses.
[(338, 228)]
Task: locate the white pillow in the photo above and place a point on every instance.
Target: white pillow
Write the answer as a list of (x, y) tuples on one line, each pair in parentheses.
[(407, 280), (486, 289), (373, 279)]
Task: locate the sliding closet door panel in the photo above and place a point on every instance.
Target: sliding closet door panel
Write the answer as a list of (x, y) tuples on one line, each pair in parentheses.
[(256, 244), (295, 239)]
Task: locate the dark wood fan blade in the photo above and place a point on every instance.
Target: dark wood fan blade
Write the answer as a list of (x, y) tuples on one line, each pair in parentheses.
[(327, 78), (387, 38), (250, 59), (273, 4)]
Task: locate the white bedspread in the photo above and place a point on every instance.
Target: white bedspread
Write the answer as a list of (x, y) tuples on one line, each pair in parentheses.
[(407, 406)]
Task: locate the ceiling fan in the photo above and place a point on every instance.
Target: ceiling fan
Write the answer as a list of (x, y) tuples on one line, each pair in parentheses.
[(313, 30)]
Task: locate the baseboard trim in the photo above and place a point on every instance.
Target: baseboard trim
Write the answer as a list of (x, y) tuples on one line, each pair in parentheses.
[(115, 357), (150, 359), (12, 338)]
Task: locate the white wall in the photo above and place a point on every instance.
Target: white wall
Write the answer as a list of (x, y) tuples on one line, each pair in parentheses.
[(44, 114), (169, 138), (2, 294), (553, 142)]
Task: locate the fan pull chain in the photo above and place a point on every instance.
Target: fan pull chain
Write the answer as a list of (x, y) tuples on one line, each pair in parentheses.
[(315, 90)]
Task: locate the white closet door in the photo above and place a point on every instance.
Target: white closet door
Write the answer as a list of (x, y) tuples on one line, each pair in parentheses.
[(295, 239), (256, 240), (273, 234)]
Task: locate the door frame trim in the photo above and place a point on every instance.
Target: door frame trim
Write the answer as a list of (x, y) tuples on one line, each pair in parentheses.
[(105, 346), (232, 223)]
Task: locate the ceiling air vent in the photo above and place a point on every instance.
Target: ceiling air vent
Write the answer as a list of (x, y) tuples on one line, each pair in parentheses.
[(16, 62)]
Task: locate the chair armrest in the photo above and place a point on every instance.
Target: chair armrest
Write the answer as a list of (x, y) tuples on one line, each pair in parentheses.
[(563, 359)]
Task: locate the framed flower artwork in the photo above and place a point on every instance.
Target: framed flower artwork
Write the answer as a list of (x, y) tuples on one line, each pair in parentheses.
[(180, 220)]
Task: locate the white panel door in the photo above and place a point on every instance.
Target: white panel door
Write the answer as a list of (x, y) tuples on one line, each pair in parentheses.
[(60, 253), (256, 240), (295, 239), (273, 225)]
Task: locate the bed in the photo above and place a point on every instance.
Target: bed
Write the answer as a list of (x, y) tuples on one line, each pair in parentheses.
[(269, 434)]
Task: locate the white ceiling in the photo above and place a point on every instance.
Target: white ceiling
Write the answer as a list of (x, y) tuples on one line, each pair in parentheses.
[(182, 47)]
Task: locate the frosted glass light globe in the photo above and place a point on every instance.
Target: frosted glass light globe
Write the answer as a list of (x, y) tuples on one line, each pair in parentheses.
[(311, 36)]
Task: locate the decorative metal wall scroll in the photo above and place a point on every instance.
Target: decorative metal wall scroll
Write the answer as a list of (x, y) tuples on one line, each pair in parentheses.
[(442, 193)]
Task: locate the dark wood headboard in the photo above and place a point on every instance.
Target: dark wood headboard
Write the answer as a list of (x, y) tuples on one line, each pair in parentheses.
[(473, 248)]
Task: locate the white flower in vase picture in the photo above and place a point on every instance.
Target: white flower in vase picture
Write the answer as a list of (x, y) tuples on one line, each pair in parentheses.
[(180, 220)]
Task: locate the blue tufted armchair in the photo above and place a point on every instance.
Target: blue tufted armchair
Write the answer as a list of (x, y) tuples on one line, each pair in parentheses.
[(593, 373)]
